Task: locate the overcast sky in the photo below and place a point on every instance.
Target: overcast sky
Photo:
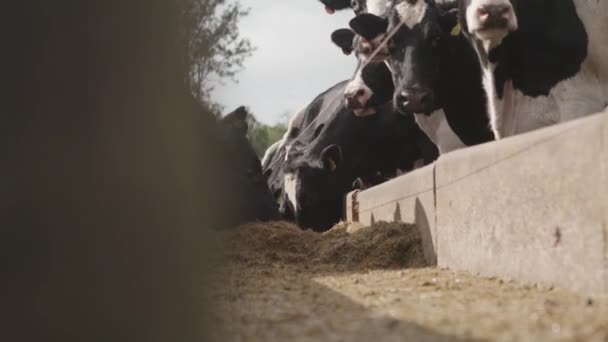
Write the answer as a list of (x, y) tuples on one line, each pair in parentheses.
[(295, 59)]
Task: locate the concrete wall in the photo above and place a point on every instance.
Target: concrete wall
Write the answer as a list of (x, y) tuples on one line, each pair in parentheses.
[(532, 207)]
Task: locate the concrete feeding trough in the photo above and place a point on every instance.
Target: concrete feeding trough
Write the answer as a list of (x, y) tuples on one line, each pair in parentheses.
[(532, 208)]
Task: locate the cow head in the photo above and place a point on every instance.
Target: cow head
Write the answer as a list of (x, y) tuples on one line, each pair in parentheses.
[(311, 187), (322, 164), (414, 51), (358, 6), (331, 6), (487, 21), (248, 184), (371, 86)]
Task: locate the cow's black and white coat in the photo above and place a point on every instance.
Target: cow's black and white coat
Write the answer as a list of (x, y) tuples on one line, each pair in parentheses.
[(337, 148), (543, 61), (456, 116), (358, 6), (274, 161)]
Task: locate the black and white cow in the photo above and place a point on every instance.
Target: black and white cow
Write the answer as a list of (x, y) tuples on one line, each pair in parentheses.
[(273, 167), (374, 77), (269, 154), (543, 61), (331, 6), (246, 189), (377, 7), (339, 148), (358, 6), (435, 70), (370, 87)]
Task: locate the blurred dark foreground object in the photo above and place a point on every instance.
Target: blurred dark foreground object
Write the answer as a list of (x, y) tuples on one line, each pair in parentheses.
[(248, 195), (109, 176)]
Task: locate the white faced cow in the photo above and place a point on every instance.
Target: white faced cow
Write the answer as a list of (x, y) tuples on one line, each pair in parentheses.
[(339, 148), (543, 61), (358, 6), (435, 72)]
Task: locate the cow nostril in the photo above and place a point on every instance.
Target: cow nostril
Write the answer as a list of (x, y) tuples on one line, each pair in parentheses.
[(495, 11), (505, 11)]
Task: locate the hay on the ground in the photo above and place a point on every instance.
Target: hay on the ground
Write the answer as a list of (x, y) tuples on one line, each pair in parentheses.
[(346, 246)]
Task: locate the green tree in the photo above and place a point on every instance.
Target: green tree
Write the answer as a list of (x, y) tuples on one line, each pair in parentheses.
[(262, 136), (216, 50)]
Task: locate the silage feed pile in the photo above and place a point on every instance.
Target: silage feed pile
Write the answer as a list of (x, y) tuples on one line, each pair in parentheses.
[(275, 282), (345, 247)]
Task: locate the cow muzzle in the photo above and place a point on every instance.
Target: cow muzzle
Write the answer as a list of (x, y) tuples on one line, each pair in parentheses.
[(357, 98), (491, 19)]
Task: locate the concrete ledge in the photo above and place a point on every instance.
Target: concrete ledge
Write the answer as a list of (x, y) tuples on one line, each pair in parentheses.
[(408, 198), (533, 208)]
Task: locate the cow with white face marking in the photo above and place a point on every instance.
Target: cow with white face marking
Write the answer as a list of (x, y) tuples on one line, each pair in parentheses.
[(371, 85), (543, 61), (435, 70), (443, 82), (358, 6), (273, 171), (337, 149), (273, 167)]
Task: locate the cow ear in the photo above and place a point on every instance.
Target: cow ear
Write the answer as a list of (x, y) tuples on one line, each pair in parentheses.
[(240, 113), (331, 157), (369, 26), (448, 20), (343, 38), (237, 120)]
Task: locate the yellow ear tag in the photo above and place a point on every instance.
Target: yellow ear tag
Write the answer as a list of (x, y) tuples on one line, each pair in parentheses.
[(332, 165), (456, 30)]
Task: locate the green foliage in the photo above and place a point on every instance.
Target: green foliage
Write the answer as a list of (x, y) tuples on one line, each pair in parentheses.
[(216, 51), (262, 136)]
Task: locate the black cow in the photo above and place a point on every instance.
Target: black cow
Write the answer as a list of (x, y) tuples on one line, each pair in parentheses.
[(337, 149), (435, 70), (543, 61), (247, 186)]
